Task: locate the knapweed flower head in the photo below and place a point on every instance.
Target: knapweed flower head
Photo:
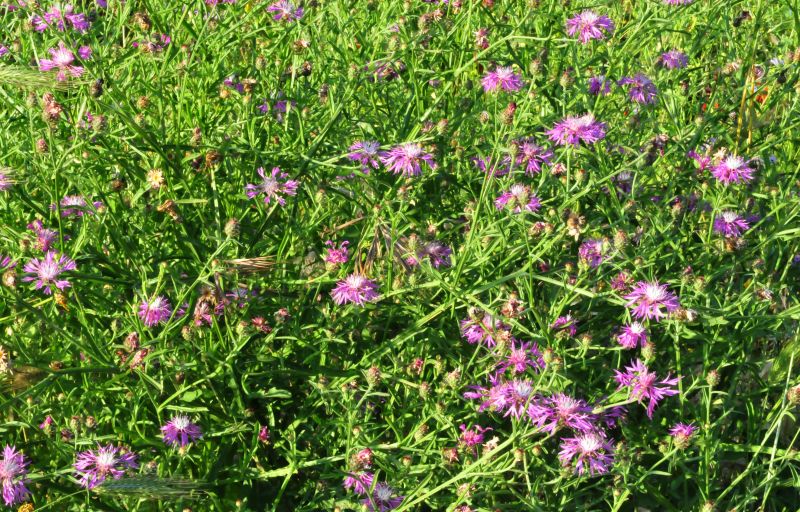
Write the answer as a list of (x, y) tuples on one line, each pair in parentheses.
[(13, 469), (632, 336), (360, 482), (94, 466), (519, 393), (531, 156), (682, 434), (383, 499), (274, 186), (644, 385), (730, 225), (406, 159), (651, 300), (520, 357), (336, 256), (594, 251), (45, 271), (356, 289), (156, 311), (6, 181), (732, 169), (61, 18), (471, 437), (6, 262), (285, 11), (180, 431), (566, 324), (599, 85), (673, 59), (61, 59), (518, 198), (576, 129), (365, 153), (642, 90), (589, 25), (494, 169), (549, 414), (76, 206), (481, 327), (436, 252), (589, 453), (501, 78), (44, 237)]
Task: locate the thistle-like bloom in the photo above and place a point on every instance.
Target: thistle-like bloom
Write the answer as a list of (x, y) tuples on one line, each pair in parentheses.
[(520, 357), (156, 311), (61, 59), (366, 153), (599, 86), (285, 11), (44, 237), (642, 89), (633, 335), (682, 434), (642, 385), (6, 262), (405, 159), (648, 299), (336, 256), (94, 466), (732, 169), (561, 411), (594, 251), (674, 59), (58, 18), (47, 271), (436, 252), (181, 431), (590, 25), (566, 323), (590, 452), (531, 156), (383, 498), (576, 129), (5, 182), (76, 206), (493, 169), (355, 288), (501, 78), (518, 198), (360, 482), (13, 468), (730, 225), (482, 327), (519, 394), (469, 437), (273, 186)]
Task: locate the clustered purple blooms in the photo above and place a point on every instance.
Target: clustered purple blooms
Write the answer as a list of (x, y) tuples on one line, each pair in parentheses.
[(642, 385), (549, 414), (594, 251), (590, 452), (44, 237), (61, 59), (366, 153), (648, 298), (599, 85), (156, 311), (471, 437), (482, 327), (501, 78), (47, 270), (355, 288), (732, 169), (13, 471), (285, 11), (58, 18), (576, 129), (520, 357), (336, 256), (94, 466), (406, 159), (181, 431), (532, 156), (642, 89), (730, 225), (633, 335), (590, 25), (273, 186), (518, 198), (674, 59)]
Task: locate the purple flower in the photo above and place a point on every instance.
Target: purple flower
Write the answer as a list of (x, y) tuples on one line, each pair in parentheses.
[(501, 78), (336, 256), (703, 161), (436, 252), (522, 356), (576, 129), (285, 11), (354, 288), (76, 206), (642, 89), (59, 18), (360, 482), (560, 411), (642, 385), (590, 452), (594, 251), (273, 186), (589, 25), (156, 311), (406, 159), (47, 271), (366, 153), (85, 53), (382, 499), (470, 438), (44, 237), (47, 423), (62, 59), (599, 86), (648, 299), (519, 394), (531, 155), (566, 324), (483, 328), (518, 198), (732, 169), (730, 225), (633, 335), (3, 51), (6, 262), (682, 429), (13, 469), (94, 466), (5, 182), (493, 169), (674, 59), (180, 430)]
